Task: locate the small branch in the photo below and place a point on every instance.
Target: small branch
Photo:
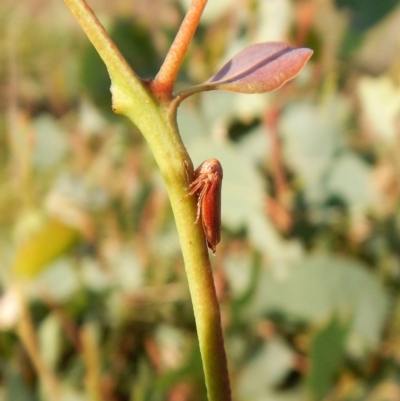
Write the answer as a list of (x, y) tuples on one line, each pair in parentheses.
[(166, 77), (279, 210), (66, 323), (122, 76), (281, 186), (27, 334), (91, 358), (280, 216)]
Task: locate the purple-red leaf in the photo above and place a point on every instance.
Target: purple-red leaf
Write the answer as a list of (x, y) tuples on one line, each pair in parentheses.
[(260, 68)]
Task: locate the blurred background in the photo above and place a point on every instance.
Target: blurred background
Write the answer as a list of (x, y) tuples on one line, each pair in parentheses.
[(94, 300)]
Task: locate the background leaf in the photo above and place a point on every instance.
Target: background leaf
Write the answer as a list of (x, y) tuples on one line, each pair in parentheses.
[(327, 352), (316, 287), (52, 240)]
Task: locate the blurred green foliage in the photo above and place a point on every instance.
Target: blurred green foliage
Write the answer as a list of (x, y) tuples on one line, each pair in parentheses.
[(308, 270), (366, 13)]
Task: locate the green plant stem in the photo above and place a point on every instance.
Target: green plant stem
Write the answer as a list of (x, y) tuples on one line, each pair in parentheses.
[(158, 125)]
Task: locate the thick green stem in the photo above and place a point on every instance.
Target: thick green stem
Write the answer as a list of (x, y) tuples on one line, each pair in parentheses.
[(158, 125)]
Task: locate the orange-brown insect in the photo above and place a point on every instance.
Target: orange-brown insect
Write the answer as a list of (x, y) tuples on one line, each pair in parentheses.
[(207, 186)]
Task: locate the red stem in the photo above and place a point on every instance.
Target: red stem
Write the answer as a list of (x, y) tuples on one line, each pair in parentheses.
[(278, 172), (166, 77), (278, 209)]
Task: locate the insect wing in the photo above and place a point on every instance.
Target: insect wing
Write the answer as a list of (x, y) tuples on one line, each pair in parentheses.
[(211, 213)]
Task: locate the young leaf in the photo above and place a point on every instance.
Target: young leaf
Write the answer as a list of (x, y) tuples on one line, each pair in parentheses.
[(53, 240), (260, 68)]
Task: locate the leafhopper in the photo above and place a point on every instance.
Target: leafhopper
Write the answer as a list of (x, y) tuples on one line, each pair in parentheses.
[(206, 185)]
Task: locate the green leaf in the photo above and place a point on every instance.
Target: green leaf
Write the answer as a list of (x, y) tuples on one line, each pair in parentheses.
[(51, 241), (265, 370), (315, 287), (350, 179), (312, 137), (366, 13), (326, 357), (50, 144), (50, 344)]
